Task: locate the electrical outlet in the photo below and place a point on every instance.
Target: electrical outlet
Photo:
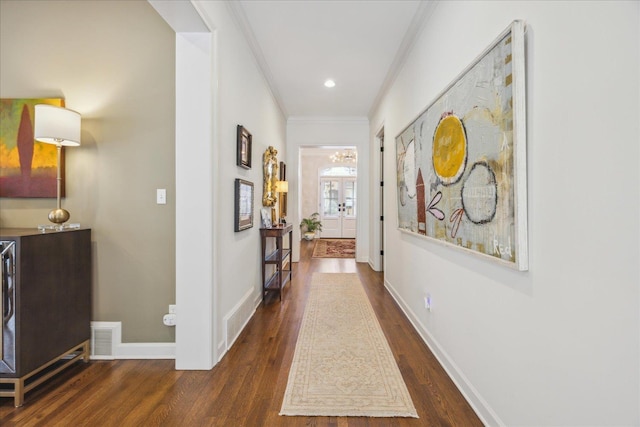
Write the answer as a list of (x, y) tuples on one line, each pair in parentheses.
[(427, 302), (169, 319), (172, 309)]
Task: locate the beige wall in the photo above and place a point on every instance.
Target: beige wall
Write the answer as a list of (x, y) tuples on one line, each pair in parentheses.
[(113, 61)]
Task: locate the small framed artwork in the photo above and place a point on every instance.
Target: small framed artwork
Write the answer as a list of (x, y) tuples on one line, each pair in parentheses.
[(244, 148), (265, 214), (243, 217)]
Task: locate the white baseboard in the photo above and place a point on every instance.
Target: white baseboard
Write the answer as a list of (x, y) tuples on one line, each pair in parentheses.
[(480, 406), (238, 317), (221, 351), (107, 336), (111, 346), (146, 350), (236, 320), (374, 265)]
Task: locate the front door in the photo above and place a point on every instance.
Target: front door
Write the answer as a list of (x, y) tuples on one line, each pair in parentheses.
[(338, 207)]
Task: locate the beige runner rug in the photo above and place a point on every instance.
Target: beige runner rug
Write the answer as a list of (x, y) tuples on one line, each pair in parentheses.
[(342, 365)]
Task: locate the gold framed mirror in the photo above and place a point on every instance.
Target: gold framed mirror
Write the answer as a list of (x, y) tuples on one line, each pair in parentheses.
[(270, 167)]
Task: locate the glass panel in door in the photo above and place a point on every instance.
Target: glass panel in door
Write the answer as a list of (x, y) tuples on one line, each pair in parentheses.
[(338, 207), (349, 187), (349, 208), (330, 207), (330, 198)]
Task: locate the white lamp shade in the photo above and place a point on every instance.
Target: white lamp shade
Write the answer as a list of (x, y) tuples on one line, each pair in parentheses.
[(282, 186), (57, 125)]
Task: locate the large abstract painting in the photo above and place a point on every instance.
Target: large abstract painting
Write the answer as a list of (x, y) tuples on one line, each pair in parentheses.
[(27, 167), (461, 165)]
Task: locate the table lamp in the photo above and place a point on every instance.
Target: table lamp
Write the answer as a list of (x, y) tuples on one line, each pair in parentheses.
[(282, 187), (61, 127)]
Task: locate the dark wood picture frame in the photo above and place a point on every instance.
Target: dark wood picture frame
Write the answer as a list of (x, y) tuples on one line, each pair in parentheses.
[(243, 151), (243, 212)]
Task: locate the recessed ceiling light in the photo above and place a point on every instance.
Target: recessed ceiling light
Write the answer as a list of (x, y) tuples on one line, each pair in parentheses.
[(329, 83)]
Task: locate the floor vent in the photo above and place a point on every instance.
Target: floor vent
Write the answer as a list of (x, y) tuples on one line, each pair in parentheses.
[(238, 318), (104, 338)]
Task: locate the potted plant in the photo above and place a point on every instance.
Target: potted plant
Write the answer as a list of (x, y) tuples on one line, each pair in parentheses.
[(311, 225)]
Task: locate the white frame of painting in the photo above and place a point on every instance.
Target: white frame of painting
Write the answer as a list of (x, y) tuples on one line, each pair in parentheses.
[(518, 259)]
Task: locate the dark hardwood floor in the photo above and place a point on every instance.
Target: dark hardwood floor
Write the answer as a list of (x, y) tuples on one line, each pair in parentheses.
[(247, 386)]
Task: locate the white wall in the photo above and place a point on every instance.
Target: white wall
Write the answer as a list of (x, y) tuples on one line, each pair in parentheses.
[(243, 97), (559, 344), (195, 215), (219, 86), (324, 132), (308, 182)]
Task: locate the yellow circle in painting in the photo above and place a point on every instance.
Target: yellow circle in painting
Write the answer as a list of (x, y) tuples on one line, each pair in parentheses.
[(449, 149)]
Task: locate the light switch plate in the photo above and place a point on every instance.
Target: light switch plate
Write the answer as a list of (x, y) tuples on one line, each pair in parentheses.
[(161, 196)]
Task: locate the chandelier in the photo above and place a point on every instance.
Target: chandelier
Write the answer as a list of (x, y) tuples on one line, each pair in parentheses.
[(347, 156)]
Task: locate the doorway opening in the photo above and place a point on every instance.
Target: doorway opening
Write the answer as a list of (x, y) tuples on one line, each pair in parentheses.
[(327, 177), (337, 197), (380, 137)]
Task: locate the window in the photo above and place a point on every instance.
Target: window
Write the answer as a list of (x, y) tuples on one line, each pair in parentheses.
[(338, 171)]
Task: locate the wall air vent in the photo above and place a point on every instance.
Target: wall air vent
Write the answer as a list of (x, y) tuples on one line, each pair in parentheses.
[(238, 318), (104, 337)]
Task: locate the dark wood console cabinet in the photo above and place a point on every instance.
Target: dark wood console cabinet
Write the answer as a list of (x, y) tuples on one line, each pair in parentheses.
[(280, 258), (46, 306)]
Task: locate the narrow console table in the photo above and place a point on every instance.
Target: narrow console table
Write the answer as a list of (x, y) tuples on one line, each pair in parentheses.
[(280, 258)]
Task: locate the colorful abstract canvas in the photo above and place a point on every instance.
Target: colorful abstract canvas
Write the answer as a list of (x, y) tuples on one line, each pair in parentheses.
[(27, 168), (461, 165)]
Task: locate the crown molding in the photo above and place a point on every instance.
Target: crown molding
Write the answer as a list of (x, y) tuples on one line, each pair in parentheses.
[(240, 17), (424, 12), (328, 119), (181, 16)]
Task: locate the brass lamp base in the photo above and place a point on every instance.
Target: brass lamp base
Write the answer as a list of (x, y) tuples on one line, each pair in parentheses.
[(59, 216)]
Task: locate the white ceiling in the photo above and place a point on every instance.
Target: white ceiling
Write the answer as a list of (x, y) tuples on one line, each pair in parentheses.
[(301, 43)]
